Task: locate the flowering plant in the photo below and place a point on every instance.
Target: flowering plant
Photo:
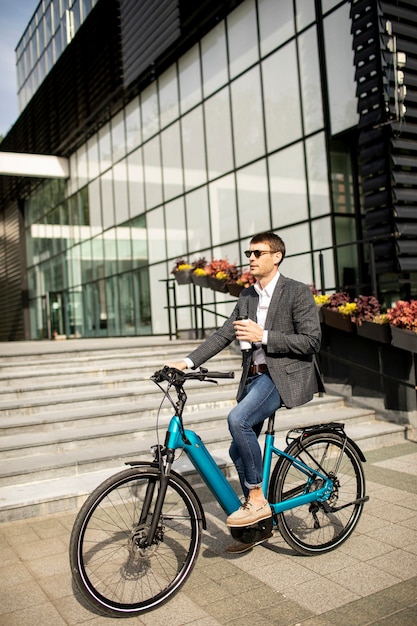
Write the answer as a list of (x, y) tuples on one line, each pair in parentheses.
[(321, 299), (246, 279), (219, 268), (367, 309), (180, 265), (347, 309), (337, 299), (404, 315), (199, 266), (200, 271)]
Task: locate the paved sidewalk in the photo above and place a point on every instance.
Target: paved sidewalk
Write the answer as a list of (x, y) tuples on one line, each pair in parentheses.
[(371, 579)]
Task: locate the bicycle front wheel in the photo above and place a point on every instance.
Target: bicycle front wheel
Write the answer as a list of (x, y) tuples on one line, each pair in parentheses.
[(319, 527), (114, 574)]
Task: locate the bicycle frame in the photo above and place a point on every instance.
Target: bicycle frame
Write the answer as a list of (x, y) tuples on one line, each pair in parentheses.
[(200, 457)]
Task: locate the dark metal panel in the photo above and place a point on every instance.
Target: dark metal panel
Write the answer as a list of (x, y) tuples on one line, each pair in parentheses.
[(11, 302)]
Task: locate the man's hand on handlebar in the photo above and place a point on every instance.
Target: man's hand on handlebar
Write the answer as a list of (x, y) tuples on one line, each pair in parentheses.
[(180, 365)]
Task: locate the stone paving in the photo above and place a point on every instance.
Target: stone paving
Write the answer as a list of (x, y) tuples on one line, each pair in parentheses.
[(370, 579)]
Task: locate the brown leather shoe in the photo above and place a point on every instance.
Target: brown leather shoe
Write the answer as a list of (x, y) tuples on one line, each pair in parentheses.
[(249, 514)]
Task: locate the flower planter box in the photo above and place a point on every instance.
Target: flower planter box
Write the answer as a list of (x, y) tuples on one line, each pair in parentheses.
[(235, 289), (404, 339), (339, 321), (183, 277), (200, 281), (376, 332), (216, 284)]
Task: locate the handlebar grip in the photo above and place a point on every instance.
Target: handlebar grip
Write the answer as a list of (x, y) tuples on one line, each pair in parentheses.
[(220, 374)]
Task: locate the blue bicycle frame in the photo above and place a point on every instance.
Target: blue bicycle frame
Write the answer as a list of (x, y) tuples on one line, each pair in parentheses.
[(205, 465)]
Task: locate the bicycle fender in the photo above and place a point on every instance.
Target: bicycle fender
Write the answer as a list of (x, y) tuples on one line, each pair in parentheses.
[(180, 479)]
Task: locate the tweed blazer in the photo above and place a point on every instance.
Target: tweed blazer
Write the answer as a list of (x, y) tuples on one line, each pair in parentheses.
[(294, 337)]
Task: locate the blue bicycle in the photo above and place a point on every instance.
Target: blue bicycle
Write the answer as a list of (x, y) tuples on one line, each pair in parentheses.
[(137, 537)]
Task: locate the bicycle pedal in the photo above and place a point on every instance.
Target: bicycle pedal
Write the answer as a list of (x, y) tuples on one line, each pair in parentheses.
[(238, 547)]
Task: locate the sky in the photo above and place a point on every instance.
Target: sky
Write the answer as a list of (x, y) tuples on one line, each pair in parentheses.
[(14, 17)]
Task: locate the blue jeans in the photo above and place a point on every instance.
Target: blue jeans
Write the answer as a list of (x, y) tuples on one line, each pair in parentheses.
[(260, 399)]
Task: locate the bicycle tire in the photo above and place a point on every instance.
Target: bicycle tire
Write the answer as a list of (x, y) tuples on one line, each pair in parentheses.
[(113, 574), (310, 529)]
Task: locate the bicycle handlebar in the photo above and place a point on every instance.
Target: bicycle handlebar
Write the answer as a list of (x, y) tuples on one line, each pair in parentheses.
[(173, 375)]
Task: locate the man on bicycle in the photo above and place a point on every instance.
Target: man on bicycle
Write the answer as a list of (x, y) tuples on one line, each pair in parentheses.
[(280, 369)]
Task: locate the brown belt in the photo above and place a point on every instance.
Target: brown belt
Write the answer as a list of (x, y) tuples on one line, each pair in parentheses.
[(257, 369)]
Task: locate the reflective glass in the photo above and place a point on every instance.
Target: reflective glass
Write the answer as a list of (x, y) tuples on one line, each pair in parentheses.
[(110, 252), (288, 186), (133, 127), (120, 192), (346, 255), (139, 241), (150, 111), (310, 81), (322, 238), (94, 203), (171, 161), (176, 231), (242, 37), (252, 193), (86, 262), (127, 304), (107, 199), (318, 183), (194, 153), (214, 59), (218, 134), (118, 136), (98, 256), (276, 23), (124, 248), (190, 79), (109, 301), (141, 287), (248, 129), (105, 148), (153, 173), (82, 170), (281, 97), (168, 96), (305, 13), (136, 188), (223, 210), (198, 222), (297, 240), (93, 157), (340, 70), (156, 235)]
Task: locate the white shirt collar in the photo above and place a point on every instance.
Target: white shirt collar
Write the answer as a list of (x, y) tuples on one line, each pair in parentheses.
[(269, 289)]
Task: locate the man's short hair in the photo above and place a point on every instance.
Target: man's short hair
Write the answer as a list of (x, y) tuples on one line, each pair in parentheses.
[(274, 241)]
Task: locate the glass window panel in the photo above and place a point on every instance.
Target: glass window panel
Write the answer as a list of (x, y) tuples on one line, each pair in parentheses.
[(150, 111), (252, 194), (242, 37), (82, 172), (110, 252), (98, 256), (281, 96), (94, 202), (328, 4), (107, 199), (86, 262), (136, 183), (127, 304), (133, 129), (110, 314), (345, 228), (297, 240), (172, 162), (248, 129), (223, 209), (322, 238), (317, 175), (156, 235), (288, 186), (276, 23), (340, 70), (158, 273), (214, 59), (142, 302), (105, 148), (124, 248), (118, 136), (175, 228), (168, 96), (198, 222), (190, 79), (218, 134), (310, 81), (139, 241), (120, 192), (342, 180), (93, 157), (193, 149), (305, 13), (153, 173)]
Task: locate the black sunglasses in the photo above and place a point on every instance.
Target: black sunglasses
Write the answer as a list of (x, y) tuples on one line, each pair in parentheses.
[(258, 253)]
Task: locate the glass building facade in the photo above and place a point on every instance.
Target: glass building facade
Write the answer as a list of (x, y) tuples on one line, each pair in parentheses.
[(232, 139)]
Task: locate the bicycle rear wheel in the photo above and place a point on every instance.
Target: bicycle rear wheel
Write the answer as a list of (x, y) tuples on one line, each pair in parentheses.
[(319, 527), (113, 573)]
